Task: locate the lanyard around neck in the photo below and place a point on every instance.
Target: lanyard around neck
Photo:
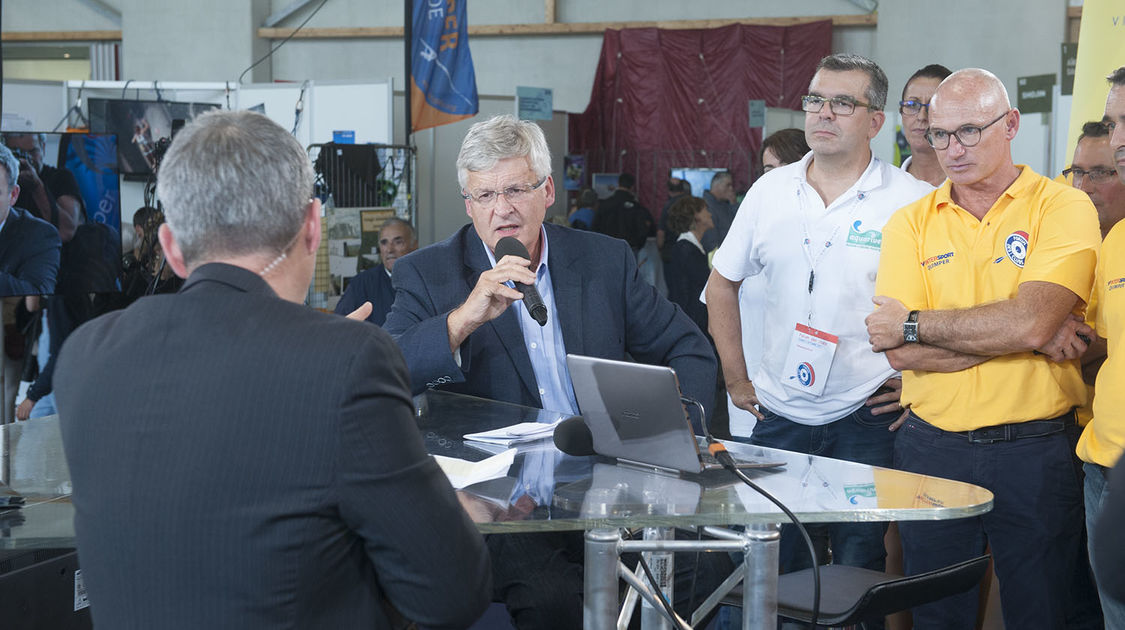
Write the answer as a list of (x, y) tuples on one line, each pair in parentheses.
[(806, 244)]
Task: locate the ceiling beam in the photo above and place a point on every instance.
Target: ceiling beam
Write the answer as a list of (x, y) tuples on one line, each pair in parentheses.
[(546, 28), (61, 36), (566, 28)]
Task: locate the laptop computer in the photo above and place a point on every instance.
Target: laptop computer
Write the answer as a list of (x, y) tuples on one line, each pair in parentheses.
[(635, 414)]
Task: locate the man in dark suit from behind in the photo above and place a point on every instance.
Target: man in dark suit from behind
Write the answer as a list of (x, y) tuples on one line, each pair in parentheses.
[(29, 246), (268, 473)]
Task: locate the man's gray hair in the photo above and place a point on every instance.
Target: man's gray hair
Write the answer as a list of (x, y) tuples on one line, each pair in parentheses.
[(403, 222), (876, 93), (40, 138), (500, 138), (234, 183), (721, 176), (11, 165)]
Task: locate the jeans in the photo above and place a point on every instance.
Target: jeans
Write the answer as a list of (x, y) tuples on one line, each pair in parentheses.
[(1096, 490), (858, 437), (1036, 515)]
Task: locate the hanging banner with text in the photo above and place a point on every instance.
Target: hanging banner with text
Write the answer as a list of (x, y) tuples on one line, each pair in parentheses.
[(443, 85)]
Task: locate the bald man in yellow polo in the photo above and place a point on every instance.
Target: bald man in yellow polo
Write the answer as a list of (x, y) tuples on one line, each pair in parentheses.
[(980, 294)]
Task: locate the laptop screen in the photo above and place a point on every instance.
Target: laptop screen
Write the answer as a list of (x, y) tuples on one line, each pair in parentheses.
[(634, 412)]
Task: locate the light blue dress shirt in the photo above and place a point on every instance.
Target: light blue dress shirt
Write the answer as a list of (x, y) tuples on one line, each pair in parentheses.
[(545, 343)]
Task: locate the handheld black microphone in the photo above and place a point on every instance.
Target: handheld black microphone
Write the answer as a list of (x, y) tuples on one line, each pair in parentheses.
[(573, 437), (510, 246)]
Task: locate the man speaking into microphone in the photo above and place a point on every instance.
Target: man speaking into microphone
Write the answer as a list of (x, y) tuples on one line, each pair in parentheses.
[(462, 324), (463, 327)]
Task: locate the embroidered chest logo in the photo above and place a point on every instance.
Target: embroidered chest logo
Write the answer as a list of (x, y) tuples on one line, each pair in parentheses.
[(869, 239), (1115, 283), (937, 261), (1016, 248)]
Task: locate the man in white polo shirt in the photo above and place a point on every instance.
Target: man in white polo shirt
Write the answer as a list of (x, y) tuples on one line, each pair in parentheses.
[(813, 229)]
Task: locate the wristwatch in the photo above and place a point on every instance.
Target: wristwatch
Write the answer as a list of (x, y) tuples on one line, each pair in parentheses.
[(910, 328)]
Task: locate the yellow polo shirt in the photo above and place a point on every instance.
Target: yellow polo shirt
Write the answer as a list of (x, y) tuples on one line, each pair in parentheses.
[(1086, 411), (1103, 439), (936, 255)]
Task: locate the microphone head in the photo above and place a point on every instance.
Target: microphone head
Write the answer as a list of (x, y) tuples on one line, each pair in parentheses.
[(573, 437), (510, 246)]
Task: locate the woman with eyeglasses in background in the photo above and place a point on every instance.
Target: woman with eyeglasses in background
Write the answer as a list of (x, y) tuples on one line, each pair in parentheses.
[(915, 110)]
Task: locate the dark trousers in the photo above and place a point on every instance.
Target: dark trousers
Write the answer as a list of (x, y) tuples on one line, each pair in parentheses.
[(539, 577), (858, 437), (1035, 520)]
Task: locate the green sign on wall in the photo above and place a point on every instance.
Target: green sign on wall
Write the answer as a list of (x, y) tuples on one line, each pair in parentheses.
[(1033, 94), (1069, 62)]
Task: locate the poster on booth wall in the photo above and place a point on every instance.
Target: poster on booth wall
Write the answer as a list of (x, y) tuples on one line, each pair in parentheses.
[(574, 170), (353, 244)]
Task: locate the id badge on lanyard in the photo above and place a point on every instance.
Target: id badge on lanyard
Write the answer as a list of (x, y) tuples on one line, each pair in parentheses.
[(811, 350), (809, 359)]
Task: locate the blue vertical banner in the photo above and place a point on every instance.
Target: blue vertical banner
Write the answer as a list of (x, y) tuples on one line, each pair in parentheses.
[(92, 159), (443, 85)]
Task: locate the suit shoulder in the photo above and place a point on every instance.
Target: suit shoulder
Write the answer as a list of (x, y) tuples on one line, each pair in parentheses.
[(85, 339), (33, 225), (333, 328), (372, 274)]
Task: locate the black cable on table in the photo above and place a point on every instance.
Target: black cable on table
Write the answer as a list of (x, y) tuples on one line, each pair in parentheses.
[(721, 455)]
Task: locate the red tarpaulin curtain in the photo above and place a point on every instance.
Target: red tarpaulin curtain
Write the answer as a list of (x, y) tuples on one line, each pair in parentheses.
[(680, 98)]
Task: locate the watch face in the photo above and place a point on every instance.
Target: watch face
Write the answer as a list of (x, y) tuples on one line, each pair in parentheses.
[(910, 332)]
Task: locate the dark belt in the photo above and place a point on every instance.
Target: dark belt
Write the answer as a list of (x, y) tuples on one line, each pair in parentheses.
[(1019, 430)]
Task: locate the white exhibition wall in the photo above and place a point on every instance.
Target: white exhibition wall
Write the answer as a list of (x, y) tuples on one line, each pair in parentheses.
[(364, 108)]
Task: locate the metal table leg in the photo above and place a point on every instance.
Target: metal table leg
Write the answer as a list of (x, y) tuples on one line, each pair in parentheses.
[(599, 608), (662, 564), (759, 587)]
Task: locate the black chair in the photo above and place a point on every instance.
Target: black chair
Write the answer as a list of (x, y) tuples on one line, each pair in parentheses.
[(850, 595)]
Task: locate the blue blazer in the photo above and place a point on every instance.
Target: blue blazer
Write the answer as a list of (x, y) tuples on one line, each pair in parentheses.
[(29, 255), (372, 285), (605, 309)]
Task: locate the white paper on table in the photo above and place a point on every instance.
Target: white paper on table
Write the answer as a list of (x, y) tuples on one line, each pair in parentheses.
[(463, 473), (516, 433)]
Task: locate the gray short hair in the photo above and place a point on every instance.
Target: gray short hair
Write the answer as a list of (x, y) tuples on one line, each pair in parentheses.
[(876, 93), (40, 138), (234, 183), (11, 165), (500, 138), (403, 222)]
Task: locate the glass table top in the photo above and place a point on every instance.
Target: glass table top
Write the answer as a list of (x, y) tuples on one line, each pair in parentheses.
[(547, 490)]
